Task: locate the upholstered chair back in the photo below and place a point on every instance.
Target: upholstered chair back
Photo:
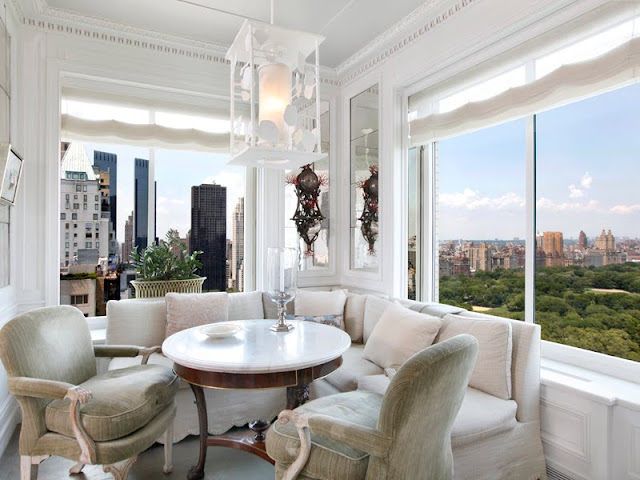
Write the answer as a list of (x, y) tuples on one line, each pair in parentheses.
[(419, 408), (51, 343)]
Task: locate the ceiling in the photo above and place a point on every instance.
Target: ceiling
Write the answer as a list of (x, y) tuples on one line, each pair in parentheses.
[(348, 25)]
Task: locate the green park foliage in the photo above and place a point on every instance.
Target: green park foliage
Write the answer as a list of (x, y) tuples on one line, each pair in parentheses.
[(574, 306)]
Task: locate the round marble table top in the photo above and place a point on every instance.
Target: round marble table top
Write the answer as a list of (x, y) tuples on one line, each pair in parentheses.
[(256, 349)]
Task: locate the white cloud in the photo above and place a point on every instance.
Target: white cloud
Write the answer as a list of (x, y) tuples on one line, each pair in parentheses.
[(575, 192), (625, 209), (585, 183), (471, 200), (547, 204)]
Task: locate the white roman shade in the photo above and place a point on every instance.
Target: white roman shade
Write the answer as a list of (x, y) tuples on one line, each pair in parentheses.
[(144, 135), (568, 83)]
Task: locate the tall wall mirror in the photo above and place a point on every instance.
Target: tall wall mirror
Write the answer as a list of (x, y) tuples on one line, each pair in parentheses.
[(364, 124)]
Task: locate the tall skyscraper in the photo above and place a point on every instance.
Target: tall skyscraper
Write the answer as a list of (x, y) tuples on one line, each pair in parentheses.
[(209, 232), (141, 205), (108, 162), (237, 253), (127, 246), (480, 257)]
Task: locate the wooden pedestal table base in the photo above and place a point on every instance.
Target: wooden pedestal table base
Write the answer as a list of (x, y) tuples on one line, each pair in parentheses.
[(250, 440)]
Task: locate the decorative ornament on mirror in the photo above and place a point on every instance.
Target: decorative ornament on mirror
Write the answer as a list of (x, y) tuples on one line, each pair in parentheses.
[(369, 217), (308, 217)]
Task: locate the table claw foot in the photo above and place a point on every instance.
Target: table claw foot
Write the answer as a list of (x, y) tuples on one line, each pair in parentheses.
[(195, 474)]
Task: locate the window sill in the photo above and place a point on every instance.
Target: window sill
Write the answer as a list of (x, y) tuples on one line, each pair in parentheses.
[(598, 387)]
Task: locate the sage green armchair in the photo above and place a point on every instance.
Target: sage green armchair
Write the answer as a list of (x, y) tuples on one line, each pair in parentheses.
[(70, 411), (403, 435)]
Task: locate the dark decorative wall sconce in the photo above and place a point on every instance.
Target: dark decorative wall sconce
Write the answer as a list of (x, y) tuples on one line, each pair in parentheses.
[(308, 217), (369, 217)]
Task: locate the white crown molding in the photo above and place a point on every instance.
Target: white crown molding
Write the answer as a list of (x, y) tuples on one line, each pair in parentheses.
[(88, 22), (374, 51)]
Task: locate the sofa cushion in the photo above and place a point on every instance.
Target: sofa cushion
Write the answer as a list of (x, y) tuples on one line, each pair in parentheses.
[(373, 310), (246, 306), (353, 367), (354, 316), (141, 322), (374, 383), (186, 310), (492, 372), (124, 401), (154, 359), (399, 334), (432, 308), (320, 303), (480, 416), (331, 320), (360, 408)]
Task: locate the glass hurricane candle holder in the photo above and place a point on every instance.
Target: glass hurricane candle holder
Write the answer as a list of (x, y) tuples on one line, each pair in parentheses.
[(282, 272)]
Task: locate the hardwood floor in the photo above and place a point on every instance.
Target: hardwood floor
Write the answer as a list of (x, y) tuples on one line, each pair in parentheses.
[(222, 464)]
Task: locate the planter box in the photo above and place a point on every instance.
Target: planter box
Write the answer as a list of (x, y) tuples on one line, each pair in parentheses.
[(159, 288)]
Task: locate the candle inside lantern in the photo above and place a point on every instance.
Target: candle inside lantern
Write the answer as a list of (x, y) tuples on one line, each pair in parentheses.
[(274, 94)]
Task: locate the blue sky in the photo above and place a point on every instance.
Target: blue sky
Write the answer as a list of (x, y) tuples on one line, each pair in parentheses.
[(175, 172), (587, 173)]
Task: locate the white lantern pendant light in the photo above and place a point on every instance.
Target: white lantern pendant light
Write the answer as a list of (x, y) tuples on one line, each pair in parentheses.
[(269, 73)]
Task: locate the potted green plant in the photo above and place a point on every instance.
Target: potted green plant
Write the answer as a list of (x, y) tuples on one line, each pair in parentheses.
[(167, 267)]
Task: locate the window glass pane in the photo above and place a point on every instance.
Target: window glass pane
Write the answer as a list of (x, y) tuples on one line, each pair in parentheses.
[(364, 180), (588, 224), (414, 203), (481, 220)]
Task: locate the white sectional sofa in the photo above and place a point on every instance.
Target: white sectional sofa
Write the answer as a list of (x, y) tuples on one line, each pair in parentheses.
[(496, 434)]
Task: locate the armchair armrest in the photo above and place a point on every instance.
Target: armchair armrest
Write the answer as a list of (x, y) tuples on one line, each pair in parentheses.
[(370, 440), (38, 388), (367, 439), (125, 351), (41, 388)]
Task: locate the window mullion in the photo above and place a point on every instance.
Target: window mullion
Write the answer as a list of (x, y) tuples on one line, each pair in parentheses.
[(530, 207)]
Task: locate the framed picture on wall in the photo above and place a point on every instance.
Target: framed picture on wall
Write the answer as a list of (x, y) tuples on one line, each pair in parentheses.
[(10, 170)]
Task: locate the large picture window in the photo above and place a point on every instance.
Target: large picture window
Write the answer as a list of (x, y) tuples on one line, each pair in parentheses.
[(588, 224)]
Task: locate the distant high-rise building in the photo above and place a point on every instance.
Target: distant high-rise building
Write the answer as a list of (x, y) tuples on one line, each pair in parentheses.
[(480, 257), (141, 205), (81, 222), (582, 241), (237, 253), (108, 162), (553, 244), (209, 232), (127, 246), (606, 242)]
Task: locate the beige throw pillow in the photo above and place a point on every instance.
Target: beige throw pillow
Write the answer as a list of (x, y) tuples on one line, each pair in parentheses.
[(399, 334), (186, 310), (492, 372), (320, 303), (373, 310)]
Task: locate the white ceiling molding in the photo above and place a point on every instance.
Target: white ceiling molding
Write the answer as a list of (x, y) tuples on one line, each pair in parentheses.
[(419, 15), (428, 21), (402, 34)]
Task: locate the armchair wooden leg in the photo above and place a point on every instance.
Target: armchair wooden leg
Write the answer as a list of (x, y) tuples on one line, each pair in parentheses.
[(168, 450), (76, 469), (120, 470), (29, 466)]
